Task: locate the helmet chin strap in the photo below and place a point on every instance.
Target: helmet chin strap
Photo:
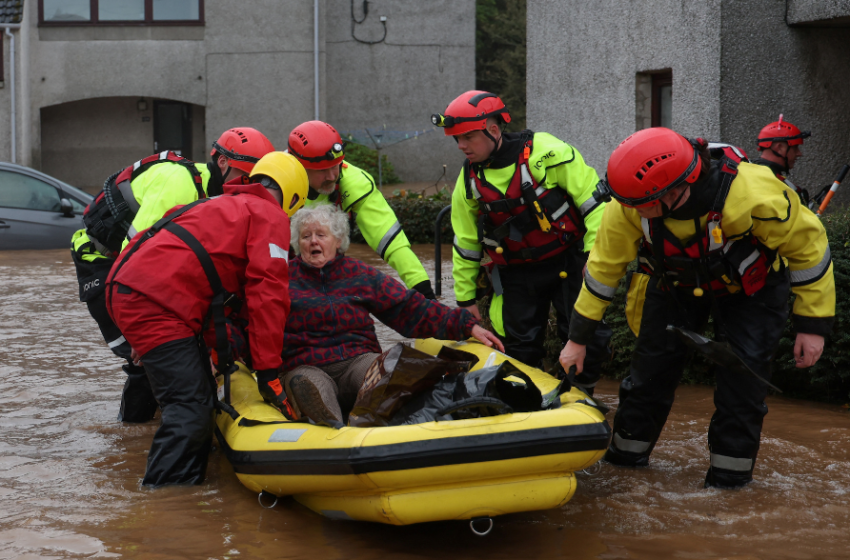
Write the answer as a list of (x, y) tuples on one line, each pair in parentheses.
[(495, 144), (667, 210), (784, 158)]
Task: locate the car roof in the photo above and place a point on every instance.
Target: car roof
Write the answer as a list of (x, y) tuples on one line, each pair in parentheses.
[(74, 191)]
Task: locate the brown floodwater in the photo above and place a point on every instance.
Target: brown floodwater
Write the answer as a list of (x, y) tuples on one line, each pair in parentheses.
[(70, 472)]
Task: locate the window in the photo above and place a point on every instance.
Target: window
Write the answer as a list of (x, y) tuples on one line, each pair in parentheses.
[(654, 99), (662, 99), (120, 12), (23, 191)]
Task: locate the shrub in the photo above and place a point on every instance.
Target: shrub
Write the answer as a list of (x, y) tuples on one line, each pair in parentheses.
[(417, 216), (367, 159)]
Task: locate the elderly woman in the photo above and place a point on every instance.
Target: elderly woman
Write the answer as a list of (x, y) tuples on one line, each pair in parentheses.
[(330, 340)]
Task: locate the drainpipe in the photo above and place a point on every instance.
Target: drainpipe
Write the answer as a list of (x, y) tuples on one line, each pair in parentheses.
[(13, 120), (316, 58)]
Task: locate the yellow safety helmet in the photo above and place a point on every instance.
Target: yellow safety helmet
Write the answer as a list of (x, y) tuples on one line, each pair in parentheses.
[(279, 170)]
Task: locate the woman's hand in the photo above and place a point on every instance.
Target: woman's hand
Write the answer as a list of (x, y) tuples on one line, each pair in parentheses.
[(573, 355), (487, 338), (807, 349)]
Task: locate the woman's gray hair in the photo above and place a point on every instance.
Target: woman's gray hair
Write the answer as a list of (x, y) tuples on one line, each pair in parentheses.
[(328, 215)]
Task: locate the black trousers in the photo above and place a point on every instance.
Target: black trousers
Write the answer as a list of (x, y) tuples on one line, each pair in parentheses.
[(183, 389), (137, 400), (529, 291), (752, 325)]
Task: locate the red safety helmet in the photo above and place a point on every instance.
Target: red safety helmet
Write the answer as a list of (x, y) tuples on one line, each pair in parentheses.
[(781, 131), (469, 112), (317, 145), (243, 146), (649, 163)]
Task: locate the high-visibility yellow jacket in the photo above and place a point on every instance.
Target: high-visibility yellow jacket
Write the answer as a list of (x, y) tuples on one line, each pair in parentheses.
[(357, 193), (553, 164), (157, 190), (758, 203), (161, 188)]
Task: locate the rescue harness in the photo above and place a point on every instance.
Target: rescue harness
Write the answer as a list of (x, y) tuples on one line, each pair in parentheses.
[(220, 298), (529, 222), (110, 215), (709, 261)]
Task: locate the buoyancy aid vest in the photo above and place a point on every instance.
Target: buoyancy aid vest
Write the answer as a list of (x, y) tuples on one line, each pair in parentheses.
[(109, 216), (529, 222), (709, 260)]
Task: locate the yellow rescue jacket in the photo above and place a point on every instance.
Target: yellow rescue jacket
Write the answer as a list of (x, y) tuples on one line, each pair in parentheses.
[(757, 203)]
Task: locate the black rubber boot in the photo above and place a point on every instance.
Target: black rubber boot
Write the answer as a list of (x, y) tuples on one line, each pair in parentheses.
[(719, 478), (138, 404), (624, 459)]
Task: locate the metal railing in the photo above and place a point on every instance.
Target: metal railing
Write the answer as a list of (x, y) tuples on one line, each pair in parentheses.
[(438, 249)]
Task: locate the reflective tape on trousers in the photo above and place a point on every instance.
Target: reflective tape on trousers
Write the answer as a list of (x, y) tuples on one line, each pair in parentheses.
[(808, 274), (731, 463), (117, 342), (630, 445)]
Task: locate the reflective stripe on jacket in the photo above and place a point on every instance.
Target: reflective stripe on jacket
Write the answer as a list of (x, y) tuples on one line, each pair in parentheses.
[(758, 203), (378, 223), (553, 164)]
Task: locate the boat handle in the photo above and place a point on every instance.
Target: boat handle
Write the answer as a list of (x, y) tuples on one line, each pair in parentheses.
[(478, 532), (260, 499)]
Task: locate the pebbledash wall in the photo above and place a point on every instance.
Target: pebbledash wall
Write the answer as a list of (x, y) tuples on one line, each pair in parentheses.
[(736, 65), (251, 63)]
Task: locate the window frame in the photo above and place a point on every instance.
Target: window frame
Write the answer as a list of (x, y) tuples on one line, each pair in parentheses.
[(147, 22), (659, 80)]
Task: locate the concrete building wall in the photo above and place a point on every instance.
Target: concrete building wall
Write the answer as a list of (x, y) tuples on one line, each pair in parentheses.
[(251, 64), (736, 64), (83, 142), (427, 59), (770, 68), (248, 65), (584, 57)]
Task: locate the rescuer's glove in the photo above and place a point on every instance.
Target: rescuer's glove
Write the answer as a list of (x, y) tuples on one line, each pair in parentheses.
[(271, 389)]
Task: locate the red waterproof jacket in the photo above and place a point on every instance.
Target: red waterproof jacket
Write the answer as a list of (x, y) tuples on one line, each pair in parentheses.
[(247, 237)]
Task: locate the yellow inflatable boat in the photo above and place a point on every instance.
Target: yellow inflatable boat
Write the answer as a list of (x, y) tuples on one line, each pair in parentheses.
[(460, 469)]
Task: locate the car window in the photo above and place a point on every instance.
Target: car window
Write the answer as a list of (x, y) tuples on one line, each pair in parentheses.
[(22, 191)]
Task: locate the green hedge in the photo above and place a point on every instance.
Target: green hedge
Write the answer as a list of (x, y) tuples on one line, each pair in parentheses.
[(417, 216), (367, 159)]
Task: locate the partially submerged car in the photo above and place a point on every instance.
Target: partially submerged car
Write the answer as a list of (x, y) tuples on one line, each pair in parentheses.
[(37, 211)]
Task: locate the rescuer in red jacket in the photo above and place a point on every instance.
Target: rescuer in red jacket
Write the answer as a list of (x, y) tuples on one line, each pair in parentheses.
[(174, 282)]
